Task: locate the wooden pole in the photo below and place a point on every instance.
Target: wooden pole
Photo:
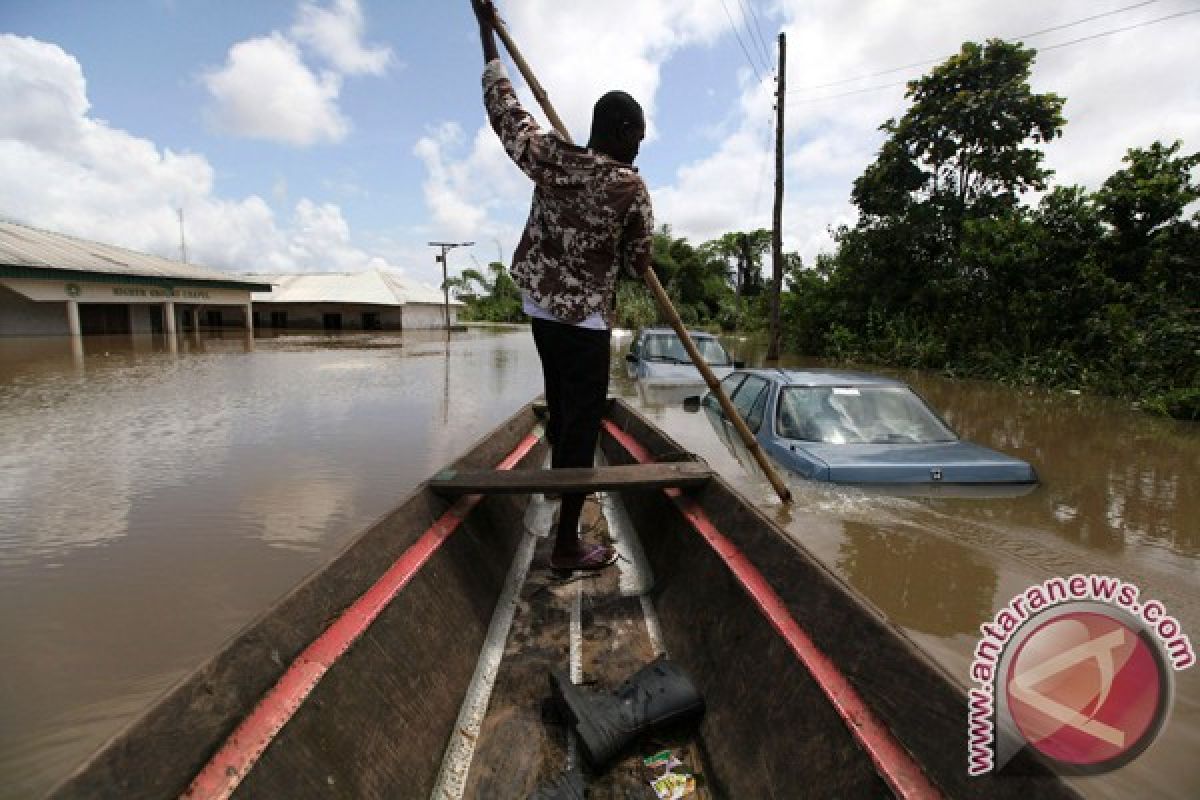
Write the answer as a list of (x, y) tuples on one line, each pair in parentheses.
[(777, 221), (660, 295)]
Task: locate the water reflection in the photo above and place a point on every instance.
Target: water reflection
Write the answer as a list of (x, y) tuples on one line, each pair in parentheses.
[(1120, 494), (1112, 478), (920, 581), (153, 501)]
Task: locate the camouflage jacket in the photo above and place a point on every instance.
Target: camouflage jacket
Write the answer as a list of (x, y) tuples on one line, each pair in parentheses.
[(589, 216)]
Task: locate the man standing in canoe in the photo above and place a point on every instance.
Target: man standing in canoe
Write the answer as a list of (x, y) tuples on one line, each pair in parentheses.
[(590, 215)]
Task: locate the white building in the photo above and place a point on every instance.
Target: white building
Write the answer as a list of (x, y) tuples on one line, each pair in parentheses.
[(52, 284), (373, 300)]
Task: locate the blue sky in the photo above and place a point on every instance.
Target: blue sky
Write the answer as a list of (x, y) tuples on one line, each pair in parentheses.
[(114, 114)]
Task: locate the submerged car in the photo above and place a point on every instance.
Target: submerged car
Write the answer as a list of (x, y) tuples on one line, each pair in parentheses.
[(853, 427), (657, 356)]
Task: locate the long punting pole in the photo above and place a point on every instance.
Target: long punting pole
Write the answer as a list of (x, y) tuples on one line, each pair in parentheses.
[(660, 295)]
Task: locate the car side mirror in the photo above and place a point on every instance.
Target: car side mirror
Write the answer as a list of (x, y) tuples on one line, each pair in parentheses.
[(631, 358), (691, 404)]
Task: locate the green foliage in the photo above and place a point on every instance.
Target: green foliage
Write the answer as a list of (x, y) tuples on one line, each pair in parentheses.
[(946, 269), (494, 299), (1177, 403), (635, 306), (963, 144)]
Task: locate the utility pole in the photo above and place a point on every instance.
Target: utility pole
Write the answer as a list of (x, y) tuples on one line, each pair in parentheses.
[(743, 269), (182, 241), (446, 248), (777, 223)]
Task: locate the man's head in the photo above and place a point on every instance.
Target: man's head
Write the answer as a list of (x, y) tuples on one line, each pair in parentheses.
[(618, 126)]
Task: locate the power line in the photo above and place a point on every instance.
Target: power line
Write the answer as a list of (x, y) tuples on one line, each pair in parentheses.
[(1040, 49), (752, 15), (1086, 19), (738, 36), (943, 58), (766, 162), (1119, 30)]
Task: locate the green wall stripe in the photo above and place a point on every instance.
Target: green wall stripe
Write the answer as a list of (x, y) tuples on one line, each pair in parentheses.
[(83, 276)]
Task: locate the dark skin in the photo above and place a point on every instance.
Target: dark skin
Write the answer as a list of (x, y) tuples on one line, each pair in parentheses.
[(621, 146)]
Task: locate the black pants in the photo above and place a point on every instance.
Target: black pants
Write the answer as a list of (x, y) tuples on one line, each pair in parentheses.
[(575, 370)]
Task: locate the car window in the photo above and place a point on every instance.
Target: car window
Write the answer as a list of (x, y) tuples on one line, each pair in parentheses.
[(712, 351), (748, 394), (729, 385), (858, 415), (755, 417), (668, 347)]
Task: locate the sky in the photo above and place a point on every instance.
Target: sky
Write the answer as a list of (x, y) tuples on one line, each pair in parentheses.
[(343, 135)]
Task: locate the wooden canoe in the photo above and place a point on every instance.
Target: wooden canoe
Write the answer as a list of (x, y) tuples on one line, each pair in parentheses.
[(414, 664)]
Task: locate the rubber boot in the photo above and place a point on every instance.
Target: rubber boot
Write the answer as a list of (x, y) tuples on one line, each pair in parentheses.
[(657, 695), (568, 786)]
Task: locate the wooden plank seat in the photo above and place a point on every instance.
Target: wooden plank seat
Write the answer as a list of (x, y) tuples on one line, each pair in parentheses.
[(684, 474)]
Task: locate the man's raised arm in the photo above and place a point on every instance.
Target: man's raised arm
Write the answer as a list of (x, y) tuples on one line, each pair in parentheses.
[(523, 140), (485, 13)]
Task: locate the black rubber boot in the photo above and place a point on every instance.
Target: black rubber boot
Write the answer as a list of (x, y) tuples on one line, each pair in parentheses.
[(657, 695), (568, 786)]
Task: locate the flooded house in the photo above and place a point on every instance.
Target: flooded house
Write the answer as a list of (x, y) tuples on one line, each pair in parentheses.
[(376, 299), (55, 284)]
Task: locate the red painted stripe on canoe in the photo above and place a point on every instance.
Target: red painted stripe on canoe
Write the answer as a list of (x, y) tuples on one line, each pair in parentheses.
[(221, 776), (891, 760)]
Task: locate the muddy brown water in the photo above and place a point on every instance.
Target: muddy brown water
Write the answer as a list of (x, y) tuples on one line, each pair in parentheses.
[(154, 500)]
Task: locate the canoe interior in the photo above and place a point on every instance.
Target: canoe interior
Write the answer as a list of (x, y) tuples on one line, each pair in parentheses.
[(379, 723)]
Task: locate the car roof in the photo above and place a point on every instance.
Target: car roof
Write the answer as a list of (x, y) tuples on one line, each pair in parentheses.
[(693, 334), (824, 377)]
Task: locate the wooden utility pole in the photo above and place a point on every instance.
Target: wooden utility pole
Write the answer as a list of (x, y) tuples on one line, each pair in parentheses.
[(777, 222), (446, 248), (743, 267)]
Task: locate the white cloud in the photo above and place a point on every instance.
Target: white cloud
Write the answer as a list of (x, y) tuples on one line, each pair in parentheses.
[(63, 170), (460, 193), (336, 35), (1122, 91), (588, 50), (265, 91)]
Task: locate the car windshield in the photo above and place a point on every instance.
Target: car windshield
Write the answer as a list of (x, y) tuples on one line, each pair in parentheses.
[(667, 347), (858, 415)]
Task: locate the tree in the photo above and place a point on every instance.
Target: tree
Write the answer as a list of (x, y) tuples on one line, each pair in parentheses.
[(944, 189), (964, 143), (494, 300), (1144, 204)]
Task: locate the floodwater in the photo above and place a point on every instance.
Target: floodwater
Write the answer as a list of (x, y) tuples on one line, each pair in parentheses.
[(1119, 496), (154, 500)]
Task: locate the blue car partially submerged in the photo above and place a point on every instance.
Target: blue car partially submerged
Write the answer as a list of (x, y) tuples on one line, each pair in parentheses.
[(657, 356), (854, 427)]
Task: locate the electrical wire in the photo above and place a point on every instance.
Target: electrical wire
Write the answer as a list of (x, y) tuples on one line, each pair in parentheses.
[(1063, 26), (1119, 30), (766, 162), (738, 36), (1040, 49), (750, 14)]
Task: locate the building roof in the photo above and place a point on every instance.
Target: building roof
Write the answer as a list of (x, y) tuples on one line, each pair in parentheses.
[(373, 287), (37, 253)]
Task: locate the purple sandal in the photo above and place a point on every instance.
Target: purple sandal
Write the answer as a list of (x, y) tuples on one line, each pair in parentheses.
[(593, 557)]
